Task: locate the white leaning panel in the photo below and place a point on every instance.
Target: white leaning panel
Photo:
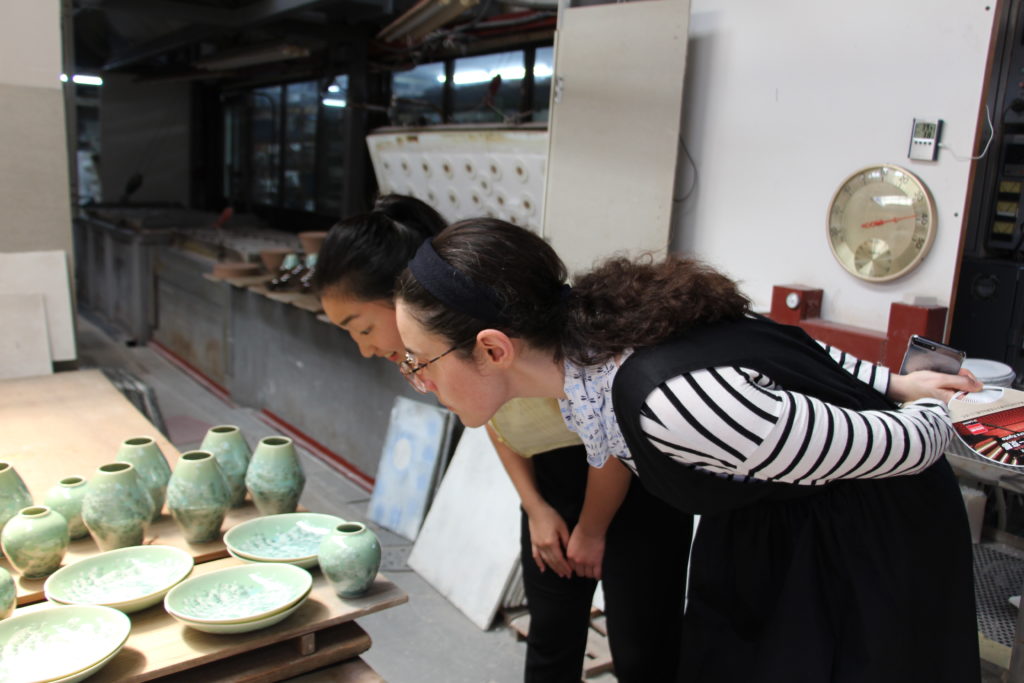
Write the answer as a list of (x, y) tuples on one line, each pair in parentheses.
[(468, 546), (46, 273)]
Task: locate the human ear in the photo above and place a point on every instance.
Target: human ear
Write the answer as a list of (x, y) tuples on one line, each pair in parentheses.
[(498, 348)]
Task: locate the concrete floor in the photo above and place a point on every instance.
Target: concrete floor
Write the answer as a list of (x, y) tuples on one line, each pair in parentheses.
[(426, 640)]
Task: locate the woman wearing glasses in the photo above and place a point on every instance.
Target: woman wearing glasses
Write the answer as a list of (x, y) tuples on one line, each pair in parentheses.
[(579, 524), (833, 543)]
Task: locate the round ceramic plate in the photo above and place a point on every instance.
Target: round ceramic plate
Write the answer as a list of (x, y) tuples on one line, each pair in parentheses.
[(245, 626), (305, 563), (128, 579), (60, 643), (238, 594), (291, 537)]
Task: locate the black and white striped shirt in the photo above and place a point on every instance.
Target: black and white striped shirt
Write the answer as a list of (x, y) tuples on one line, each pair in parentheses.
[(736, 421)]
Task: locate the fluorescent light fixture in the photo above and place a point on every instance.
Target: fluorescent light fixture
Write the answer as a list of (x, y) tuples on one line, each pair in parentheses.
[(252, 56), (422, 18), (334, 102), (333, 88), (82, 79)]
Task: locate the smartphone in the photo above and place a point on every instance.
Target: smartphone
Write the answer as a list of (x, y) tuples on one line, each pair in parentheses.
[(925, 354)]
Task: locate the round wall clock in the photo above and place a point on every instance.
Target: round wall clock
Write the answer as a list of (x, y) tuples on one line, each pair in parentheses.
[(881, 222)]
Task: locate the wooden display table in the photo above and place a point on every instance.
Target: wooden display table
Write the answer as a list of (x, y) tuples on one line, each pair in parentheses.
[(73, 422)]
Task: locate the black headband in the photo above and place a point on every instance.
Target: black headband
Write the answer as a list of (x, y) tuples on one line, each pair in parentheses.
[(452, 287)]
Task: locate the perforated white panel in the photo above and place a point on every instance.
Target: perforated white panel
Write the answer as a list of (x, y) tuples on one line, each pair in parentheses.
[(466, 174)]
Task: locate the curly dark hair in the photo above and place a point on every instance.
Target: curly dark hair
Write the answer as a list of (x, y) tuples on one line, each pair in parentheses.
[(622, 303), (362, 255)]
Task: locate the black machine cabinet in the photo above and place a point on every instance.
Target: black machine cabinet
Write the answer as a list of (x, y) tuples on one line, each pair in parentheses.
[(988, 320)]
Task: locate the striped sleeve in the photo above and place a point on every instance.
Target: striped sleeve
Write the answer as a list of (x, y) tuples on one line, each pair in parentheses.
[(735, 421), (875, 376)]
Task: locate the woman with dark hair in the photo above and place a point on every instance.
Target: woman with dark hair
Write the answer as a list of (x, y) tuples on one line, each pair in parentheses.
[(833, 543), (579, 524)]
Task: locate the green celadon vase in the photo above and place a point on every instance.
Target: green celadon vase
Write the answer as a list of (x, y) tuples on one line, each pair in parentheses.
[(198, 496), (66, 498), (150, 465), (232, 453), (275, 478), (14, 494), (35, 541), (349, 557), (8, 594), (117, 507)]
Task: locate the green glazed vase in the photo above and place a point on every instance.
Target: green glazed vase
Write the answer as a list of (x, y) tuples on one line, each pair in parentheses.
[(8, 594), (35, 541), (198, 496), (14, 494), (150, 465), (117, 507), (275, 478), (66, 498), (232, 452), (349, 557)]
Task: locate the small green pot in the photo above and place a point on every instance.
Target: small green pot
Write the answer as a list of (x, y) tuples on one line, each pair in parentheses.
[(150, 466), (275, 478), (350, 557), (232, 453), (66, 498), (14, 494), (198, 496), (117, 507), (35, 541)]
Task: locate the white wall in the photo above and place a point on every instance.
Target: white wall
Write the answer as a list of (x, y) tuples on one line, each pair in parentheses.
[(35, 209), (785, 99)]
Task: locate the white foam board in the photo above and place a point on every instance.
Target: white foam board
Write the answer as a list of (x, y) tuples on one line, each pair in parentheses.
[(468, 546), (24, 343), (46, 273)]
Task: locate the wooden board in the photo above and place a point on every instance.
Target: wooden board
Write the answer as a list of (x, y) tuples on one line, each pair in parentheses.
[(160, 646), (24, 339), (46, 273)]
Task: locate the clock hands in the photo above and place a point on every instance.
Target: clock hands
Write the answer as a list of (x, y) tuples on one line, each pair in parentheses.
[(875, 224)]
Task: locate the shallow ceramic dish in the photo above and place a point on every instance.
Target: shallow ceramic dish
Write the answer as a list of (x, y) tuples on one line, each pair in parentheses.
[(292, 537), (305, 563), (245, 626), (60, 643), (128, 579), (239, 594)]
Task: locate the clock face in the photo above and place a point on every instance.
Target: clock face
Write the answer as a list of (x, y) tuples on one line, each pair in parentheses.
[(881, 223)]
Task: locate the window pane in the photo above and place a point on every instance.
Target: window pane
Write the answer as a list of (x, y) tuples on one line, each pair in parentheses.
[(331, 161), (266, 147), (418, 95), (302, 103), (234, 111), (543, 68), (487, 87)]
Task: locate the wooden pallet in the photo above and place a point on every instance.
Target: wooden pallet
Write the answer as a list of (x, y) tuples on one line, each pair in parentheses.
[(598, 655)]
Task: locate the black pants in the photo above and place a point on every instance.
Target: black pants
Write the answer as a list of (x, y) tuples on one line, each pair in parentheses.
[(644, 576)]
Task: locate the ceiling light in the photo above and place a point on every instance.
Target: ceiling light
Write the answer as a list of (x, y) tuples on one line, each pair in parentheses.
[(82, 79), (333, 102)]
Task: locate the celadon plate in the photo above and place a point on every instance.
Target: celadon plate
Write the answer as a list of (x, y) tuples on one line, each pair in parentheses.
[(64, 643), (244, 626), (128, 579), (292, 537), (305, 563), (238, 594)]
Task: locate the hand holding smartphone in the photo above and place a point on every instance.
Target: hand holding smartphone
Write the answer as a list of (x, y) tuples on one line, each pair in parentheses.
[(925, 354)]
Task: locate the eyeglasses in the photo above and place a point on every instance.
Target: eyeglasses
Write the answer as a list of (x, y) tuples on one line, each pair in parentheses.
[(410, 366)]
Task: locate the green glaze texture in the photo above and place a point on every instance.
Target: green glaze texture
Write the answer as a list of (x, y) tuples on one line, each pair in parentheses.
[(8, 594), (232, 452), (290, 537), (35, 540), (150, 466), (60, 643), (350, 557), (117, 506), (14, 494), (275, 478), (66, 498), (239, 594), (198, 496), (129, 579)]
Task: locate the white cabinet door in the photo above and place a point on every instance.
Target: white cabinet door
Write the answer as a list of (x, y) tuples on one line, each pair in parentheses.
[(614, 132)]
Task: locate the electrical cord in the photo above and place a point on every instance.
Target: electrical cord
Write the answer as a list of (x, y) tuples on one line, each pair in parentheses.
[(988, 143)]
